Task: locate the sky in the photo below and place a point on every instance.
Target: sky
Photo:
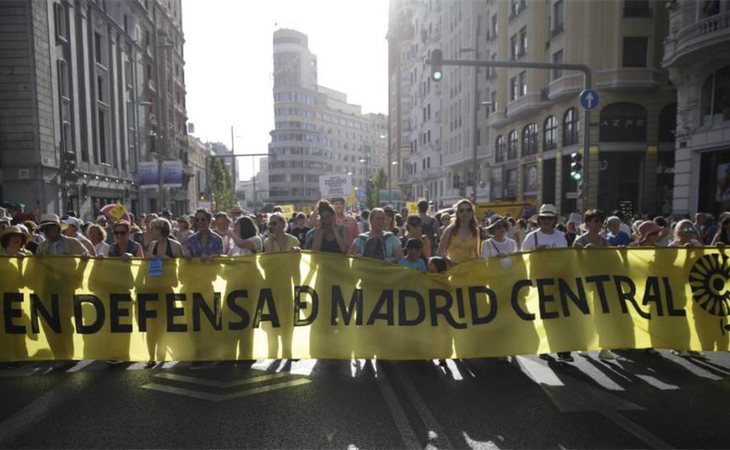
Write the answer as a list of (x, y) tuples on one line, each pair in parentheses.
[(229, 54)]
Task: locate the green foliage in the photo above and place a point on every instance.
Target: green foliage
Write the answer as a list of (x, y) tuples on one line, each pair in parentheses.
[(375, 184), (221, 185)]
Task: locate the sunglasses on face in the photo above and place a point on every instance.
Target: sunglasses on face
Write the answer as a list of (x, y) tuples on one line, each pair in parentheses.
[(120, 232), (687, 230)]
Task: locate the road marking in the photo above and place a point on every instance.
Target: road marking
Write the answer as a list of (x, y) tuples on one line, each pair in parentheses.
[(221, 397), (81, 365), (219, 384), (657, 383), (575, 396), (408, 436), (480, 445), (436, 434)]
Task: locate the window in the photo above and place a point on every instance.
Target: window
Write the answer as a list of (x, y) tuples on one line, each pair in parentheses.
[(513, 92), (557, 59), (668, 123), (570, 127), (529, 139), (499, 149), (59, 17), (512, 145), (523, 43), (558, 8), (551, 133), (514, 47), (492, 71), (494, 27), (99, 49), (523, 83), (102, 136), (634, 51), (636, 8), (715, 102)]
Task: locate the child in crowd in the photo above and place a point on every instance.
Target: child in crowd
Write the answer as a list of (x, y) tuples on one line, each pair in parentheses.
[(413, 260), (437, 264)]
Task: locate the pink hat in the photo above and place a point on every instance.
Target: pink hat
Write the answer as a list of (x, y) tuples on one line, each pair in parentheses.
[(647, 228)]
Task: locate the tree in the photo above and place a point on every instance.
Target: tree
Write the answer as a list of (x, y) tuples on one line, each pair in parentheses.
[(221, 185), (375, 185)]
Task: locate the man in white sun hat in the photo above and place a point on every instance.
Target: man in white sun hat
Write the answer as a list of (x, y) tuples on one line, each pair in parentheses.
[(546, 236), (56, 243)]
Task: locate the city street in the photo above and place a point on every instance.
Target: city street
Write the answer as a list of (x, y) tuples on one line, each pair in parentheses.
[(634, 401)]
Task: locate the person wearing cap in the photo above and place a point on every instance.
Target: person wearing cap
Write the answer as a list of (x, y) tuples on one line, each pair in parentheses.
[(460, 240), (414, 256), (13, 240), (351, 229), (498, 244), (71, 226), (56, 243), (546, 236), (647, 234)]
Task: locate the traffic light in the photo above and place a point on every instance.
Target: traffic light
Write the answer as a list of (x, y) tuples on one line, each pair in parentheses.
[(576, 166), (437, 68)]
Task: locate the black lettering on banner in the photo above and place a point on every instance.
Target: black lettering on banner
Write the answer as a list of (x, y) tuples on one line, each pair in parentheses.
[(460, 310), (143, 314), (578, 299), (266, 297), (545, 298), (405, 295), (652, 294), (94, 301), (673, 312), (476, 319), (628, 296), (522, 314), (53, 319), (9, 312), (599, 280), (174, 311), (238, 310), (386, 299), (300, 305), (115, 312), (213, 315), (443, 310), (355, 306)]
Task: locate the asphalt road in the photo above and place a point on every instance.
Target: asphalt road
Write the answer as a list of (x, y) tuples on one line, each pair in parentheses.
[(635, 401)]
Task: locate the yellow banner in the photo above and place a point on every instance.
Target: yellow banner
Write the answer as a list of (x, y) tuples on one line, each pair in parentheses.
[(305, 305)]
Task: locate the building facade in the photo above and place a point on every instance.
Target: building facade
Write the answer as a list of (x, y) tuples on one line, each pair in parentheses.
[(317, 132), (508, 135), (697, 55), (90, 89)]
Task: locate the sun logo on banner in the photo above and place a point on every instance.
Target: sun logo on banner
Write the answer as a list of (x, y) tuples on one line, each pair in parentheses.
[(710, 282)]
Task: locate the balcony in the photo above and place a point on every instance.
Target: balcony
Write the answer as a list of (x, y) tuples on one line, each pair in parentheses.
[(712, 31)]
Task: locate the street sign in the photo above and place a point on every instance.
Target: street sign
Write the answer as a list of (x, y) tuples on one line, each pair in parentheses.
[(361, 194), (571, 195), (589, 99)]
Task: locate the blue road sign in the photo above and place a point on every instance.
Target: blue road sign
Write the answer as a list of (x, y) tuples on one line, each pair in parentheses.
[(361, 194), (589, 99)]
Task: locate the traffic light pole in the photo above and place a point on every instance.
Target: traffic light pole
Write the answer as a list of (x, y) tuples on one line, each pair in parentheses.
[(437, 75)]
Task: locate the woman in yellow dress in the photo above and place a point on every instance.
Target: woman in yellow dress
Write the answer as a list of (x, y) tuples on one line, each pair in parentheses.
[(460, 241)]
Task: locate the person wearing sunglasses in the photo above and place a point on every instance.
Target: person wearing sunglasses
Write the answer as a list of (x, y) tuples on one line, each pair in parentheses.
[(685, 235), (279, 240), (124, 247), (460, 241)]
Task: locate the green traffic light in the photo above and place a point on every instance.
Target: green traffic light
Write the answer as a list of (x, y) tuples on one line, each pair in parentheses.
[(576, 176), (437, 76)]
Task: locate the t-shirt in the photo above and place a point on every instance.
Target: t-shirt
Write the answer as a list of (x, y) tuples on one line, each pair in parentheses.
[(617, 239), (299, 233), (584, 241), (418, 264), (492, 247), (538, 239)]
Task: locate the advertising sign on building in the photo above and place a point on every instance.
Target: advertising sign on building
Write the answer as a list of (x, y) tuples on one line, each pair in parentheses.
[(172, 174), (335, 186), (148, 173)]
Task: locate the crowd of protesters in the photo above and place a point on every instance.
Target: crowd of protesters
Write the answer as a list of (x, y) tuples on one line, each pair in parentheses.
[(425, 242)]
